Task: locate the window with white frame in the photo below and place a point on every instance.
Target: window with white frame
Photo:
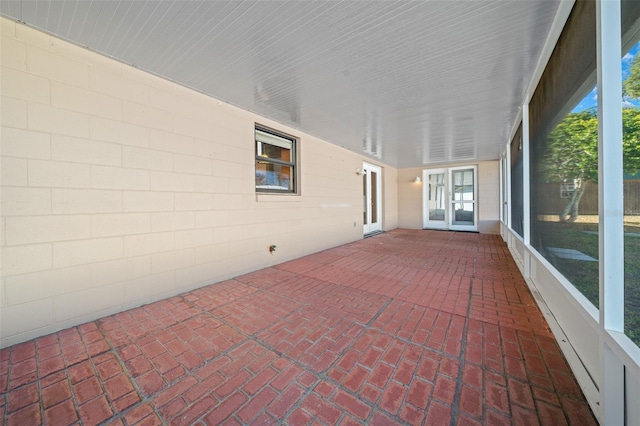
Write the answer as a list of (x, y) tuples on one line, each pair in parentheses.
[(275, 162)]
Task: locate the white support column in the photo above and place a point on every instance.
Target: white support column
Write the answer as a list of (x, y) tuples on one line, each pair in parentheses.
[(610, 187), (526, 178), (507, 180), (501, 189), (611, 207), (526, 189)]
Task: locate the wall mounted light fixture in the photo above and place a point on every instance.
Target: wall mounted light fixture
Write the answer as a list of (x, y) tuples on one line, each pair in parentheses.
[(418, 179), (361, 172)]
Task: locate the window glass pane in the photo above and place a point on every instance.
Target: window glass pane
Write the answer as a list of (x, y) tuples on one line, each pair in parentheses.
[(517, 201), (274, 152), (273, 176), (374, 197), (271, 139), (436, 196), (564, 156), (463, 213), (565, 197), (463, 185), (364, 199), (631, 162)]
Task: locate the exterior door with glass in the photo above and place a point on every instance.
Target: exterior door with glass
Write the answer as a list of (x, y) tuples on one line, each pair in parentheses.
[(435, 196), (450, 198), (464, 212), (372, 198)]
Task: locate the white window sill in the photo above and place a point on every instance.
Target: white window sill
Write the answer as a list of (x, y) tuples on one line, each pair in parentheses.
[(278, 198)]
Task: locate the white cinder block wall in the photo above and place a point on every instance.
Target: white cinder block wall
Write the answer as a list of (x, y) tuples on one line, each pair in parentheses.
[(120, 188)]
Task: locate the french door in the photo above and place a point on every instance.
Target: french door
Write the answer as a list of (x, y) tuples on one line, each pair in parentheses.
[(372, 198), (435, 198), (450, 198)]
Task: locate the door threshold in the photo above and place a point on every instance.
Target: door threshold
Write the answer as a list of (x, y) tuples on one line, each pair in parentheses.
[(372, 234), (451, 230)]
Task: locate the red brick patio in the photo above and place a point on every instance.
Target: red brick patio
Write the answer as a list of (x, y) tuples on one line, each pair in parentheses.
[(408, 327)]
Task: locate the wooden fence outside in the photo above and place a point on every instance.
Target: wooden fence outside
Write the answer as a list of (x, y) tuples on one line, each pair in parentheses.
[(550, 203)]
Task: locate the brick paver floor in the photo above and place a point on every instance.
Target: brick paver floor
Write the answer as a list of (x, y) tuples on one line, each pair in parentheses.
[(408, 327)]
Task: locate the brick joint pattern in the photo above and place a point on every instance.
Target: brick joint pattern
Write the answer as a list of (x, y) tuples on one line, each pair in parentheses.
[(408, 327)]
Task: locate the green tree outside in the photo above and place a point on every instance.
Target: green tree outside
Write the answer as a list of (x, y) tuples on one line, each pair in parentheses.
[(572, 154)]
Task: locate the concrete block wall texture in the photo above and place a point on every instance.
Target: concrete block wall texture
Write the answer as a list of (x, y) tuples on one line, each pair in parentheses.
[(120, 188), (409, 195)]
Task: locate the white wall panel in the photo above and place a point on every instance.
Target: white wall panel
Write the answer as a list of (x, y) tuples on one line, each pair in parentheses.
[(632, 393)]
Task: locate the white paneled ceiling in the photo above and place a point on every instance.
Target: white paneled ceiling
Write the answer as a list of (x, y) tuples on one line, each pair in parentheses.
[(411, 83)]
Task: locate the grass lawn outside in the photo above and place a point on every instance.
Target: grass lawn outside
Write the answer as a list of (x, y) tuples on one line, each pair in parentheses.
[(582, 236)]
